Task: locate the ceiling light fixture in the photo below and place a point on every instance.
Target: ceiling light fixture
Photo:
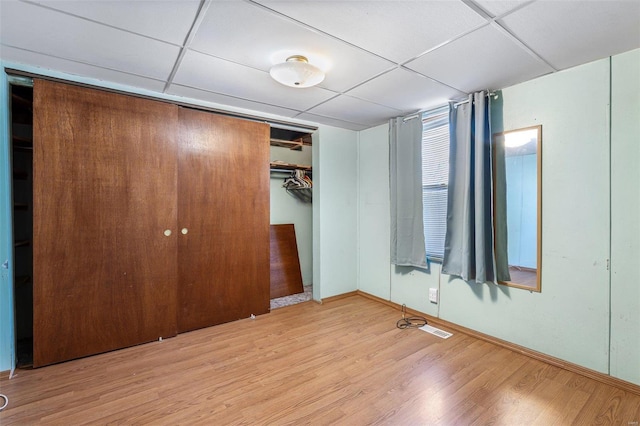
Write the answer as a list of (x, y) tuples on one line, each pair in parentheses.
[(296, 71)]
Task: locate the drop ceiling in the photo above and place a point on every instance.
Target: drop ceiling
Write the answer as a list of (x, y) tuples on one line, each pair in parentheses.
[(382, 59)]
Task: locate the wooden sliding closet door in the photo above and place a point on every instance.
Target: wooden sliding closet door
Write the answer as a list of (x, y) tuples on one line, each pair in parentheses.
[(105, 176), (223, 217)]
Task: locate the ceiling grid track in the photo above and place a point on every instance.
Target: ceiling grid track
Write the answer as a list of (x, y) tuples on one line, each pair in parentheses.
[(81, 62), (316, 30), (93, 21), (493, 21), (202, 10)]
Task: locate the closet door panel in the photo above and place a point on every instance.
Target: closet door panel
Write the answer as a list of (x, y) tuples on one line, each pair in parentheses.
[(105, 181), (224, 207)]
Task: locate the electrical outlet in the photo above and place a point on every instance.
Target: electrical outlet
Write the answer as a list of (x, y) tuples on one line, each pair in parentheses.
[(433, 295)]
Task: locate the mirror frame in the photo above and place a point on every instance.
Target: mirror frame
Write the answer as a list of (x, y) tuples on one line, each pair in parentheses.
[(538, 287)]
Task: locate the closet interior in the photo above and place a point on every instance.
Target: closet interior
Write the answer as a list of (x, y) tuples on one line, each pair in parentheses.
[(291, 217), (295, 146), (21, 103)]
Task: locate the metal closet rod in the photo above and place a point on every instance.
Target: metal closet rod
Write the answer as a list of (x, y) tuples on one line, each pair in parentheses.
[(290, 171)]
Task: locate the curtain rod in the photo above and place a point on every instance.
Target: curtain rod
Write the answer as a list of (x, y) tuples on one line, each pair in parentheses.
[(466, 101), (411, 117)]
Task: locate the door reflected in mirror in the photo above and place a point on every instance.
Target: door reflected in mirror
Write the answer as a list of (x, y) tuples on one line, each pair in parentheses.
[(517, 205)]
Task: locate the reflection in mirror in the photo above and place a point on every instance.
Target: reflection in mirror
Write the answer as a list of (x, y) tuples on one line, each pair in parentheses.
[(517, 172)]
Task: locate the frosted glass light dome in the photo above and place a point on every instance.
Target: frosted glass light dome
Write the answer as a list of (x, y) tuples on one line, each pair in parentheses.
[(296, 71)]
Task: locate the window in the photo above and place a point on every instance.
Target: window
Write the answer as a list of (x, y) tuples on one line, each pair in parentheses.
[(435, 179)]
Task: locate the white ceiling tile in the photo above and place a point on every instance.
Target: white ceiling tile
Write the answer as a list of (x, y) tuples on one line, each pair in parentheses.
[(227, 78), (355, 110), (484, 59), (406, 91), (568, 33), (79, 69), (194, 95), (42, 30), (396, 30), (167, 20), (314, 118), (264, 39), (500, 7)]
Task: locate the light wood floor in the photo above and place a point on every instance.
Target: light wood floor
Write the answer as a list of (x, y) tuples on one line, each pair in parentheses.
[(344, 363), (525, 277)]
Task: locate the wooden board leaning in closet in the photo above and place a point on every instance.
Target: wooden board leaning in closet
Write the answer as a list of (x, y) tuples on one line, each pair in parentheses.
[(105, 169)]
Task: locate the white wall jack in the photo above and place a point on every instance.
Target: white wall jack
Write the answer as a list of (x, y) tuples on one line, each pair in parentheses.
[(433, 295)]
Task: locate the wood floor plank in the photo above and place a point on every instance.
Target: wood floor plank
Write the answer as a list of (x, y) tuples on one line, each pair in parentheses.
[(572, 408), (342, 362)]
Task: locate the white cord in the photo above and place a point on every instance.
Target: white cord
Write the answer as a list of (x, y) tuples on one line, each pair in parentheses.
[(6, 401)]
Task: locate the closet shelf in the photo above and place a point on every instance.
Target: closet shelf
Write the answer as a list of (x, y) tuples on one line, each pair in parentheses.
[(19, 140), (295, 145), (22, 148), (22, 243), (277, 166), (22, 144), (20, 206)]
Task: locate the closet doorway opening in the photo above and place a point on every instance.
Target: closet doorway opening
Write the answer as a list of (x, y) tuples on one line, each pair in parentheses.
[(291, 218), (21, 128)]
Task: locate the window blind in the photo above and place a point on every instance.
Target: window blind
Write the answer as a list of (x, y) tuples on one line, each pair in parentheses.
[(435, 178)]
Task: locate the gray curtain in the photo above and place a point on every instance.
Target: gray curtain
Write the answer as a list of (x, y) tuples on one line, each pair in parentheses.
[(407, 227), (469, 244)]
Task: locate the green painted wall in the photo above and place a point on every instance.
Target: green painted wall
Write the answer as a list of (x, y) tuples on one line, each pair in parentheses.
[(403, 285), (335, 211), (580, 308), (569, 319), (625, 216), (373, 212)]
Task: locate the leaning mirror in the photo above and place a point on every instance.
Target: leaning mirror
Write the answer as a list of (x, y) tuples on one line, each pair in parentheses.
[(517, 205)]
